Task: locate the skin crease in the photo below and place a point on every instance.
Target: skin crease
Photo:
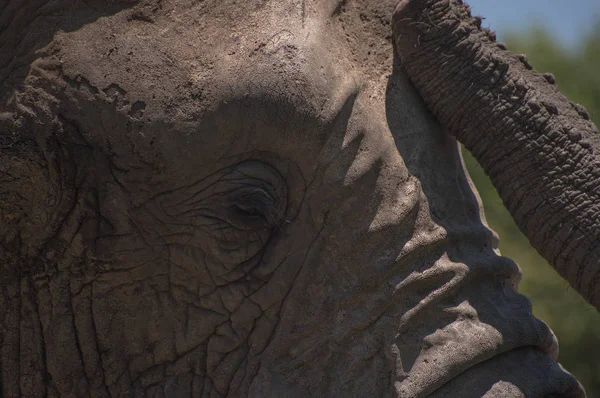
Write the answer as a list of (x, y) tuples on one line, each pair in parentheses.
[(254, 201)]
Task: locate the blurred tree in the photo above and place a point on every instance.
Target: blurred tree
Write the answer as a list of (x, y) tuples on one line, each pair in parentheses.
[(576, 324)]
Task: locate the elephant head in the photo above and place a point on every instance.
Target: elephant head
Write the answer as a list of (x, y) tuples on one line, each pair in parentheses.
[(227, 199)]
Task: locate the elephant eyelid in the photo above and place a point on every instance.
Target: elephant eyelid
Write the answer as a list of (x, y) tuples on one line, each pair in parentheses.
[(254, 204), (255, 195), (256, 201), (249, 211)]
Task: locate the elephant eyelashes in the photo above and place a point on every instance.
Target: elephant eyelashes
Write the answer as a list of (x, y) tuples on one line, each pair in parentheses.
[(249, 200), (256, 206), (256, 197), (230, 215), (249, 211)]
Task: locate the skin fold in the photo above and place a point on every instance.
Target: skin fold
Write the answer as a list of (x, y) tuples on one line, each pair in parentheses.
[(243, 199)]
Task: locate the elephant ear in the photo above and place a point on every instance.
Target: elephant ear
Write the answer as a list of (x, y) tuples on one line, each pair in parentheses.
[(28, 25), (35, 177), (36, 193), (37, 187), (540, 150), (34, 184)]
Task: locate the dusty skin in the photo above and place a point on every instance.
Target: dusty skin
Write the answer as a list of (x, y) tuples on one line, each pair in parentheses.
[(228, 198)]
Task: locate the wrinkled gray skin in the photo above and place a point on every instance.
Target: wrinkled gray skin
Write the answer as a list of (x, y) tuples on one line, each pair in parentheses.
[(242, 198)]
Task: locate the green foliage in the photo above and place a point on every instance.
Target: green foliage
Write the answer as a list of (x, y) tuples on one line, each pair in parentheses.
[(576, 324)]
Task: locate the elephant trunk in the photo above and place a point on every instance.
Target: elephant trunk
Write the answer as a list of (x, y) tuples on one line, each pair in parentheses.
[(539, 149)]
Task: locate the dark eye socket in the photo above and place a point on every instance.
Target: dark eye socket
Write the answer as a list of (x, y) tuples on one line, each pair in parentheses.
[(256, 204), (248, 210)]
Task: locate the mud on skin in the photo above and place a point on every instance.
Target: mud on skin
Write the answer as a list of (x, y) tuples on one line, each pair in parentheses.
[(232, 199)]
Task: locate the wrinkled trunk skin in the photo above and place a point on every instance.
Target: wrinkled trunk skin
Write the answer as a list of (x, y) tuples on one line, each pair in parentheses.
[(539, 149)]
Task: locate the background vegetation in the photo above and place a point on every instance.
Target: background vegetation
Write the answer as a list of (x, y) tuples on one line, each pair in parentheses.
[(576, 323)]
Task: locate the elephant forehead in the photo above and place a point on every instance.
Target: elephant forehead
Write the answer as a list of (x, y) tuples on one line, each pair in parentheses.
[(179, 65), (184, 82)]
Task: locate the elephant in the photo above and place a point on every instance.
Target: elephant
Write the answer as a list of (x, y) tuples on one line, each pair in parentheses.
[(224, 198)]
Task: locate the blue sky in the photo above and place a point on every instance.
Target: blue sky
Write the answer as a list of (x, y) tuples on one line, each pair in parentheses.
[(566, 19)]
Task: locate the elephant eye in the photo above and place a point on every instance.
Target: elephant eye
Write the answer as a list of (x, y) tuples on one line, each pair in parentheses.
[(248, 210), (254, 205)]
